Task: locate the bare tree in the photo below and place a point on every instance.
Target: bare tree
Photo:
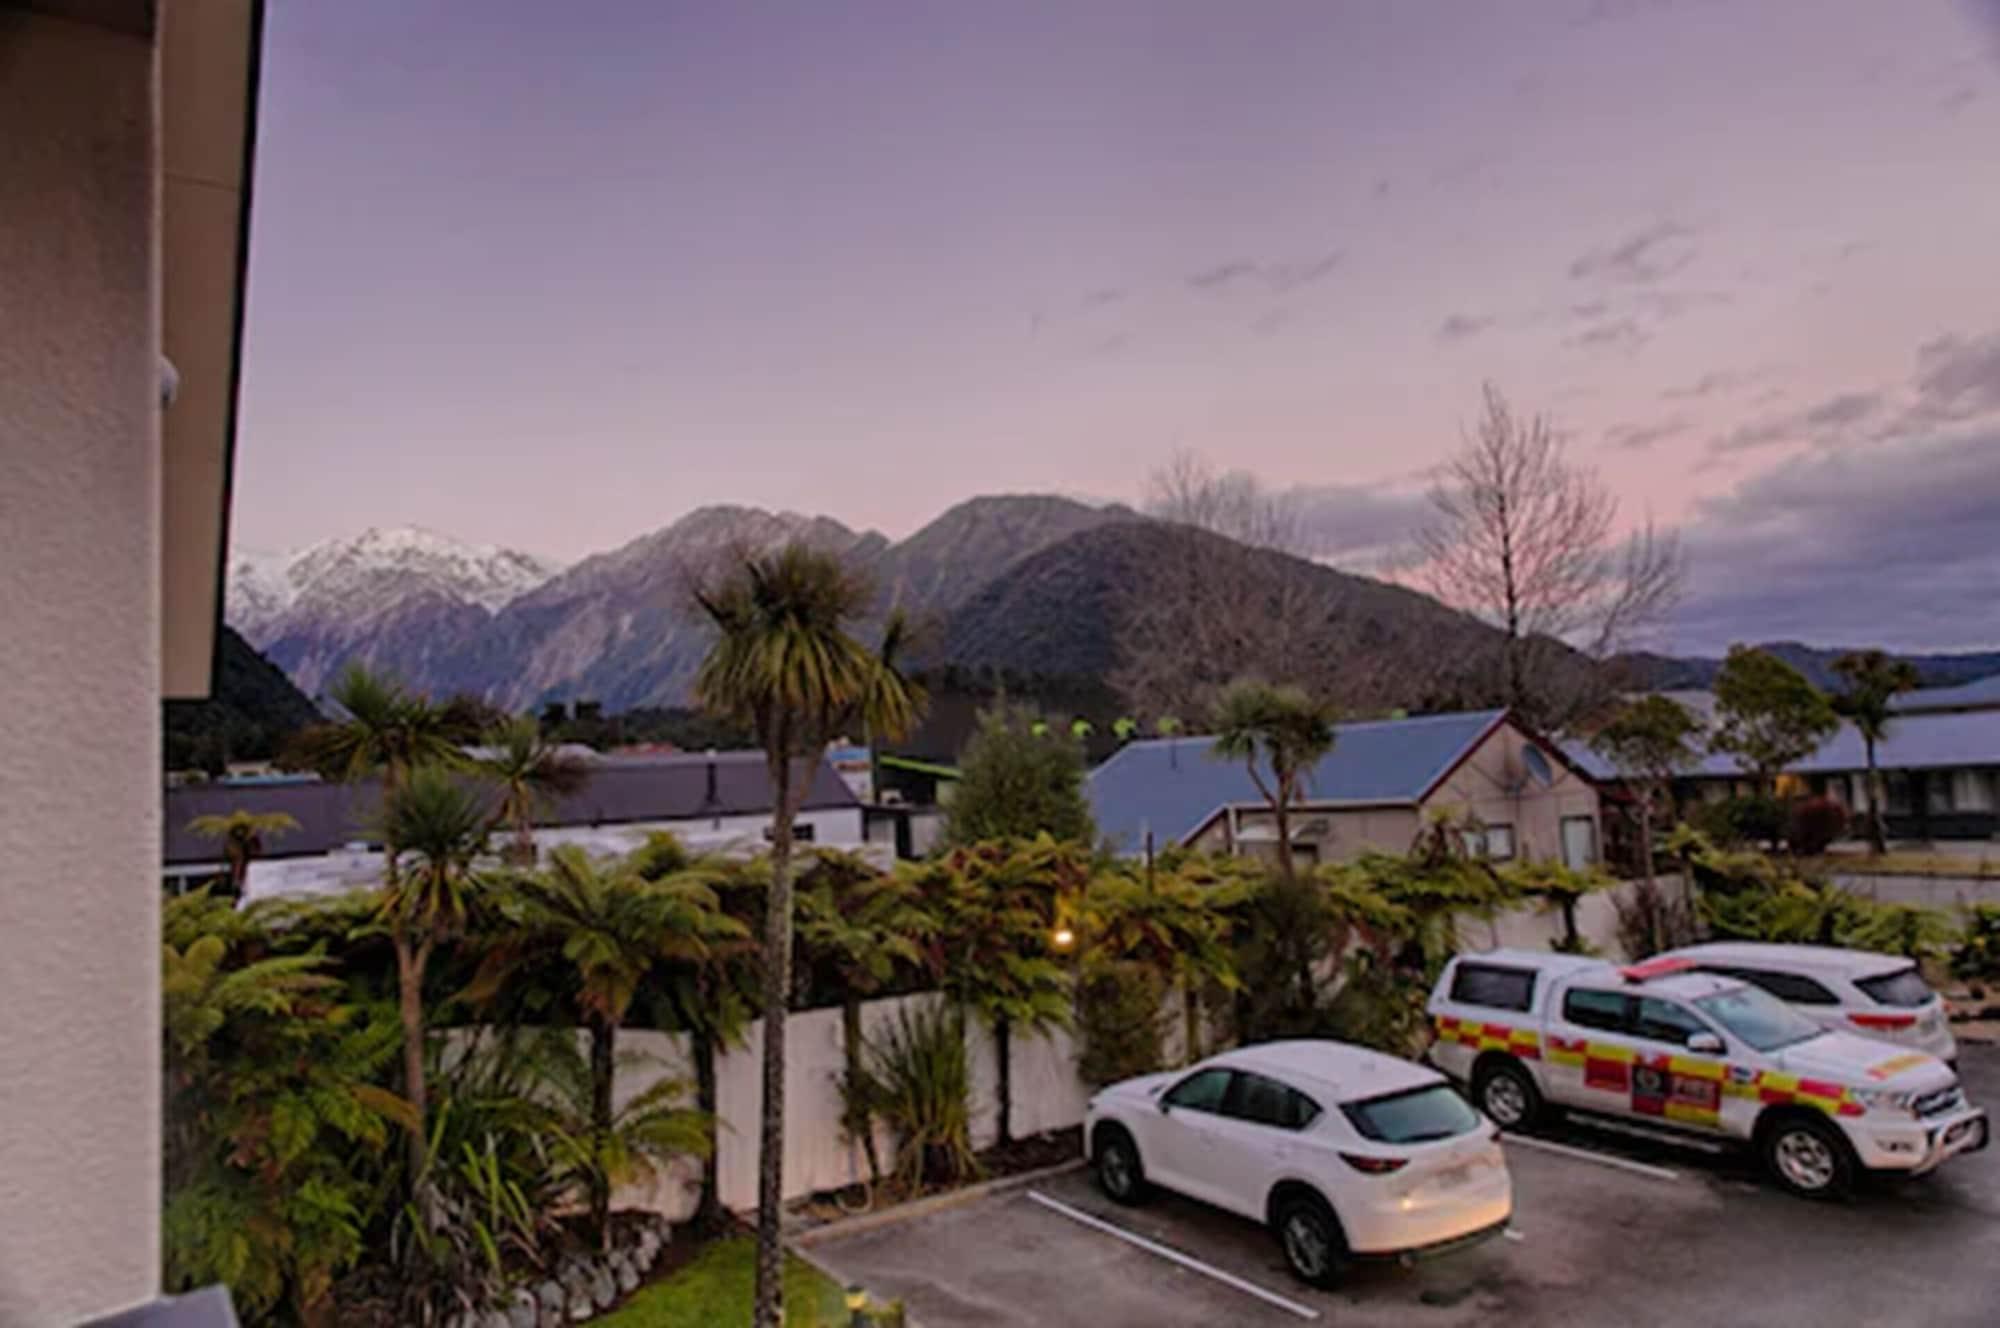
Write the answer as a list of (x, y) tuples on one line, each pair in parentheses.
[(1234, 504), (1522, 539), (1223, 589)]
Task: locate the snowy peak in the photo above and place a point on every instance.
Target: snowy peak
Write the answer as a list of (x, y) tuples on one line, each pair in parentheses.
[(373, 573)]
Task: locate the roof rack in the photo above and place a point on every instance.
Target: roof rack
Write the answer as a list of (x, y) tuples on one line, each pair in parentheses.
[(1657, 968)]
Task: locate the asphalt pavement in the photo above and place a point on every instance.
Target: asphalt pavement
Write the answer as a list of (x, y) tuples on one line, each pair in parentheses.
[(1593, 1243)]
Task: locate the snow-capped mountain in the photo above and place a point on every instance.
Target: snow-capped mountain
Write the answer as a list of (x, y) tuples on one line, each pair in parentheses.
[(617, 627), (308, 609)]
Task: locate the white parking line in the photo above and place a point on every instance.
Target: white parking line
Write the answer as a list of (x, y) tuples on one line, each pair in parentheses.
[(1174, 1256), (1589, 1155)]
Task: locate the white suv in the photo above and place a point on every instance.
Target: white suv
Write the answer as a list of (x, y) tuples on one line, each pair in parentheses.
[(1344, 1152), (1666, 1048), (1851, 991)]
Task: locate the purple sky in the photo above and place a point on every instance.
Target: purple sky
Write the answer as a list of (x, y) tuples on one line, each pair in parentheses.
[(551, 275)]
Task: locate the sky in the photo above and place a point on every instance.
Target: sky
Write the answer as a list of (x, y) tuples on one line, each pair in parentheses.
[(550, 276)]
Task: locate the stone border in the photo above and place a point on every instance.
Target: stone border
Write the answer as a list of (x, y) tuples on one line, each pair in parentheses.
[(924, 1207)]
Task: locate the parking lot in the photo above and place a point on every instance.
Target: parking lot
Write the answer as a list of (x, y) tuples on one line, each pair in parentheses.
[(1679, 1237)]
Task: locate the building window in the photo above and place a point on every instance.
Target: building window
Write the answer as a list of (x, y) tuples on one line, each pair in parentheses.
[(1971, 791), (1897, 793), (802, 832), (1497, 845)]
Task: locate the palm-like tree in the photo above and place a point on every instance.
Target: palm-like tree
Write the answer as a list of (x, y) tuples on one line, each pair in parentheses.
[(785, 666), (858, 927), (531, 773), (1174, 925), (596, 1147), (711, 996), (1872, 678), (242, 835), (999, 905), (435, 826), (609, 924), (1279, 733), (384, 729)]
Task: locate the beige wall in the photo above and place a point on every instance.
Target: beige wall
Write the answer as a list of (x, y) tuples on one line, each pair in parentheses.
[(79, 671), (1345, 832), (1491, 785)]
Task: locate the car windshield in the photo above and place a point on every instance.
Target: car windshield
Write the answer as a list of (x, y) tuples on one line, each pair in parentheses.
[(1758, 1018), (1413, 1116), (1905, 987)]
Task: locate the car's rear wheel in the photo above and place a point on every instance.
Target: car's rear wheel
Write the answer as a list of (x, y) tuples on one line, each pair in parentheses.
[(1119, 1172), (1808, 1157), (1310, 1235), (1507, 1095)]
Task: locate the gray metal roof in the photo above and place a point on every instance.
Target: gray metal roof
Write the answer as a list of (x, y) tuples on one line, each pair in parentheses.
[(1966, 696), (1172, 785), (672, 787), (1914, 742)]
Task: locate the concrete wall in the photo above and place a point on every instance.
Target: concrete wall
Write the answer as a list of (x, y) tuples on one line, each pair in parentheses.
[(1494, 785), (1942, 892), (79, 671)]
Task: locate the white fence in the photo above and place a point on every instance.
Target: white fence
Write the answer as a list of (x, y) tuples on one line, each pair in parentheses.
[(1047, 1095)]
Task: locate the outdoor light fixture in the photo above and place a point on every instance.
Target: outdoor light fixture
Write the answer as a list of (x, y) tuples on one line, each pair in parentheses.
[(857, 1302), (1064, 938)]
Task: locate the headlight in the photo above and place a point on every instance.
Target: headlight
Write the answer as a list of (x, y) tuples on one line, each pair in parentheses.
[(1881, 1099)]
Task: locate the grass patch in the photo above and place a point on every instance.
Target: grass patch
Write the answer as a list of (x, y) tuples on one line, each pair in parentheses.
[(715, 1289)]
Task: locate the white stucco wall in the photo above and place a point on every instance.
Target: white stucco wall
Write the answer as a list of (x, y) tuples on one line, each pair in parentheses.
[(338, 872), (79, 672)]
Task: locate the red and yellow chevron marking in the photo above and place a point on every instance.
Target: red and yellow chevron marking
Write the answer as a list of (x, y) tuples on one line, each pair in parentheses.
[(1567, 1051), (1895, 1065), (1481, 1036), (1775, 1089)]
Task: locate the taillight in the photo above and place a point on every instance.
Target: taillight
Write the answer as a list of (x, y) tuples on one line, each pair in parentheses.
[(1887, 1021), (1374, 1166)]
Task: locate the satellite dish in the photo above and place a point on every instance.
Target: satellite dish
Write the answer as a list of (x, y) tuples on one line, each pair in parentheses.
[(1538, 766)]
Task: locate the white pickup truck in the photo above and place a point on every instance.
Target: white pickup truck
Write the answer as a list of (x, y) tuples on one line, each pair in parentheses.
[(1690, 1053)]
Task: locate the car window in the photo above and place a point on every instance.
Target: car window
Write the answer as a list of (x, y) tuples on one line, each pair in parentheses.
[(1596, 1009), (1785, 986), (1758, 1018), (1493, 986), (1201, 1091), (1664, 1021), (1435, 1111), (1267, 1102), (1905, 987)]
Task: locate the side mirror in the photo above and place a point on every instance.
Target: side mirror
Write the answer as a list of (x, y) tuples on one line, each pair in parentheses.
[(1165, 1106), (1705, 1044)]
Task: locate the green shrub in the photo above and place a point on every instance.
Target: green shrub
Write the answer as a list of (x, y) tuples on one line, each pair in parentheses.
[(1119, 1009), (1753, 819), (1977, 955), (925, 1077)]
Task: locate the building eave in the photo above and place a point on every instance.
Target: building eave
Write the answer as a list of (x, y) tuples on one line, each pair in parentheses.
[(210, 68)]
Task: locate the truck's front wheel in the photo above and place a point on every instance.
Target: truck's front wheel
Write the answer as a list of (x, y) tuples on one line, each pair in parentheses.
[(1507, 1094), (1808, 1157)]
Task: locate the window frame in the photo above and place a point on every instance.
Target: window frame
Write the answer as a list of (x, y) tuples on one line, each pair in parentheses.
[(1232, 1102), (1758, 977), (1484, 966), (1635, 1016), (1625, 1010), (1486, 842), (1228, 1088)]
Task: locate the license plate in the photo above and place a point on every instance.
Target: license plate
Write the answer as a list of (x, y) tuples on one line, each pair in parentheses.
[(1453, 1177)]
